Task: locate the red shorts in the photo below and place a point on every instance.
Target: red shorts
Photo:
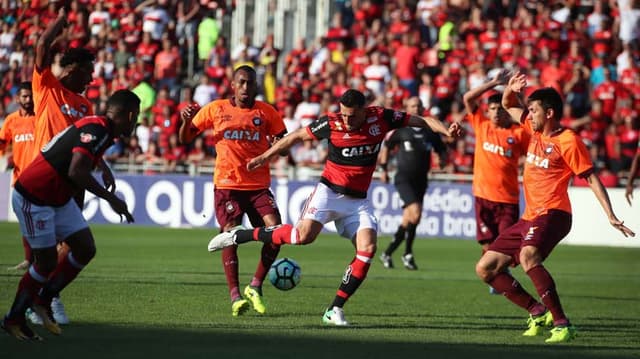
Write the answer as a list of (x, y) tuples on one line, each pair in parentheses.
[(492, 218), (544, 233), (231, 205)]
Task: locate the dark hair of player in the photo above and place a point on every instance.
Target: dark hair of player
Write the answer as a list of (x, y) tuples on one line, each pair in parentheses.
[(246, 68), (77, 55), (549, 99), (495, 98), (25, 85), (123, 100), (352, 99)]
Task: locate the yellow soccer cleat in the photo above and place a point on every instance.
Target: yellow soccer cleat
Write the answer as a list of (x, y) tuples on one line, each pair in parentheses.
[(538, 324), (562, 335), (239, 307), (255, 299)]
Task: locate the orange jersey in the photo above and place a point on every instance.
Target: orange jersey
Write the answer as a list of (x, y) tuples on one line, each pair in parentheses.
[(56, 107), (551, 163), (240, 134), (497, 152), (18, 130)]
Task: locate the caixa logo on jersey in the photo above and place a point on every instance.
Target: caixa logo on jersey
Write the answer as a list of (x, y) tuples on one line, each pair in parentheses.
[(66, 109)]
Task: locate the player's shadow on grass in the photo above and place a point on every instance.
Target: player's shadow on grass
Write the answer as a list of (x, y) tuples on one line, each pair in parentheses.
[(94, 341)]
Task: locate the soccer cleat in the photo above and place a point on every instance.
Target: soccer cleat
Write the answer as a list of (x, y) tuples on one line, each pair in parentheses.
[(239, 307), (537, 324), (334, 316), (18, 329), (224, 239), (255, 299), (47, 318), (562, 334), (33, 317), (20, 267), (387, 262), (409, 262), (59, 313)]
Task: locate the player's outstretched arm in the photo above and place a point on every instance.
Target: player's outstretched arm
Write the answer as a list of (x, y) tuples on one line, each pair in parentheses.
[(470, 97), (44, 55), (80, 174), (281, 146), (435, 125), (628, 193), (603, 197), (188, 131), (510, 100)]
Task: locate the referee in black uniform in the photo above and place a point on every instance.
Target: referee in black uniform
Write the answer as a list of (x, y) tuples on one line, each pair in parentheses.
[(414, 146)]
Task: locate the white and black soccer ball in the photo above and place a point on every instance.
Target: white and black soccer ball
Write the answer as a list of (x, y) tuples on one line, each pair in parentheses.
[(285, 273)]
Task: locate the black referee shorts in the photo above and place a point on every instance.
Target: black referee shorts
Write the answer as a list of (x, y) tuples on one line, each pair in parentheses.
[(411, 190)]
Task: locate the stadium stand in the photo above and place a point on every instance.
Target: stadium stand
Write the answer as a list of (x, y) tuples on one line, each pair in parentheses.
[(174, 52)]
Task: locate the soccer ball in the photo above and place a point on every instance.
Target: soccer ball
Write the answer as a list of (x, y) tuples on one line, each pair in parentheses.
[(284, 273)]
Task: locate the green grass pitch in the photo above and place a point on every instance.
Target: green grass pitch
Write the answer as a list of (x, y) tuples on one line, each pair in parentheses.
[(157, 293)]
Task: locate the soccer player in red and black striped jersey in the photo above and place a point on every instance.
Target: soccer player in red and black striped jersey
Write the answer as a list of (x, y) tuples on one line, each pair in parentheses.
[(43, 202), (355, 135)]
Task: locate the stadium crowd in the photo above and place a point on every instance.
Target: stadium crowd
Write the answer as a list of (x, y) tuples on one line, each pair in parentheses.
[(589, 50)]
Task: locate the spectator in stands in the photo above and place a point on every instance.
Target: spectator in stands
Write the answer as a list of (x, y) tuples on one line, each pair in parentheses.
[(377, 75), (607, 92), (205, 92), (132, 150), (143, 132), (197, 155), (600, 36), (208, 36), (151, 160), (155, 17), (167, 65), (174, 154), (308, 110), (147, 95), (188, 14), (406, 60)]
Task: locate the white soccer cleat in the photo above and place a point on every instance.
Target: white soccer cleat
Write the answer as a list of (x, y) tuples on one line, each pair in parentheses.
[(59, 313), (224, 239), (33, 317), (334, 316)]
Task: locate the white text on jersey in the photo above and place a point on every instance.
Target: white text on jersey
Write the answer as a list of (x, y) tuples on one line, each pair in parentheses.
[(241, 135), (360, 150), (537, 161)]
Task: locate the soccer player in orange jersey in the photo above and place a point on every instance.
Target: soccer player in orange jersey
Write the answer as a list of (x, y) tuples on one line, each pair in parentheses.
[(17, 131), (243, 128), (554, 156), (500, 144), (58, 98)]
